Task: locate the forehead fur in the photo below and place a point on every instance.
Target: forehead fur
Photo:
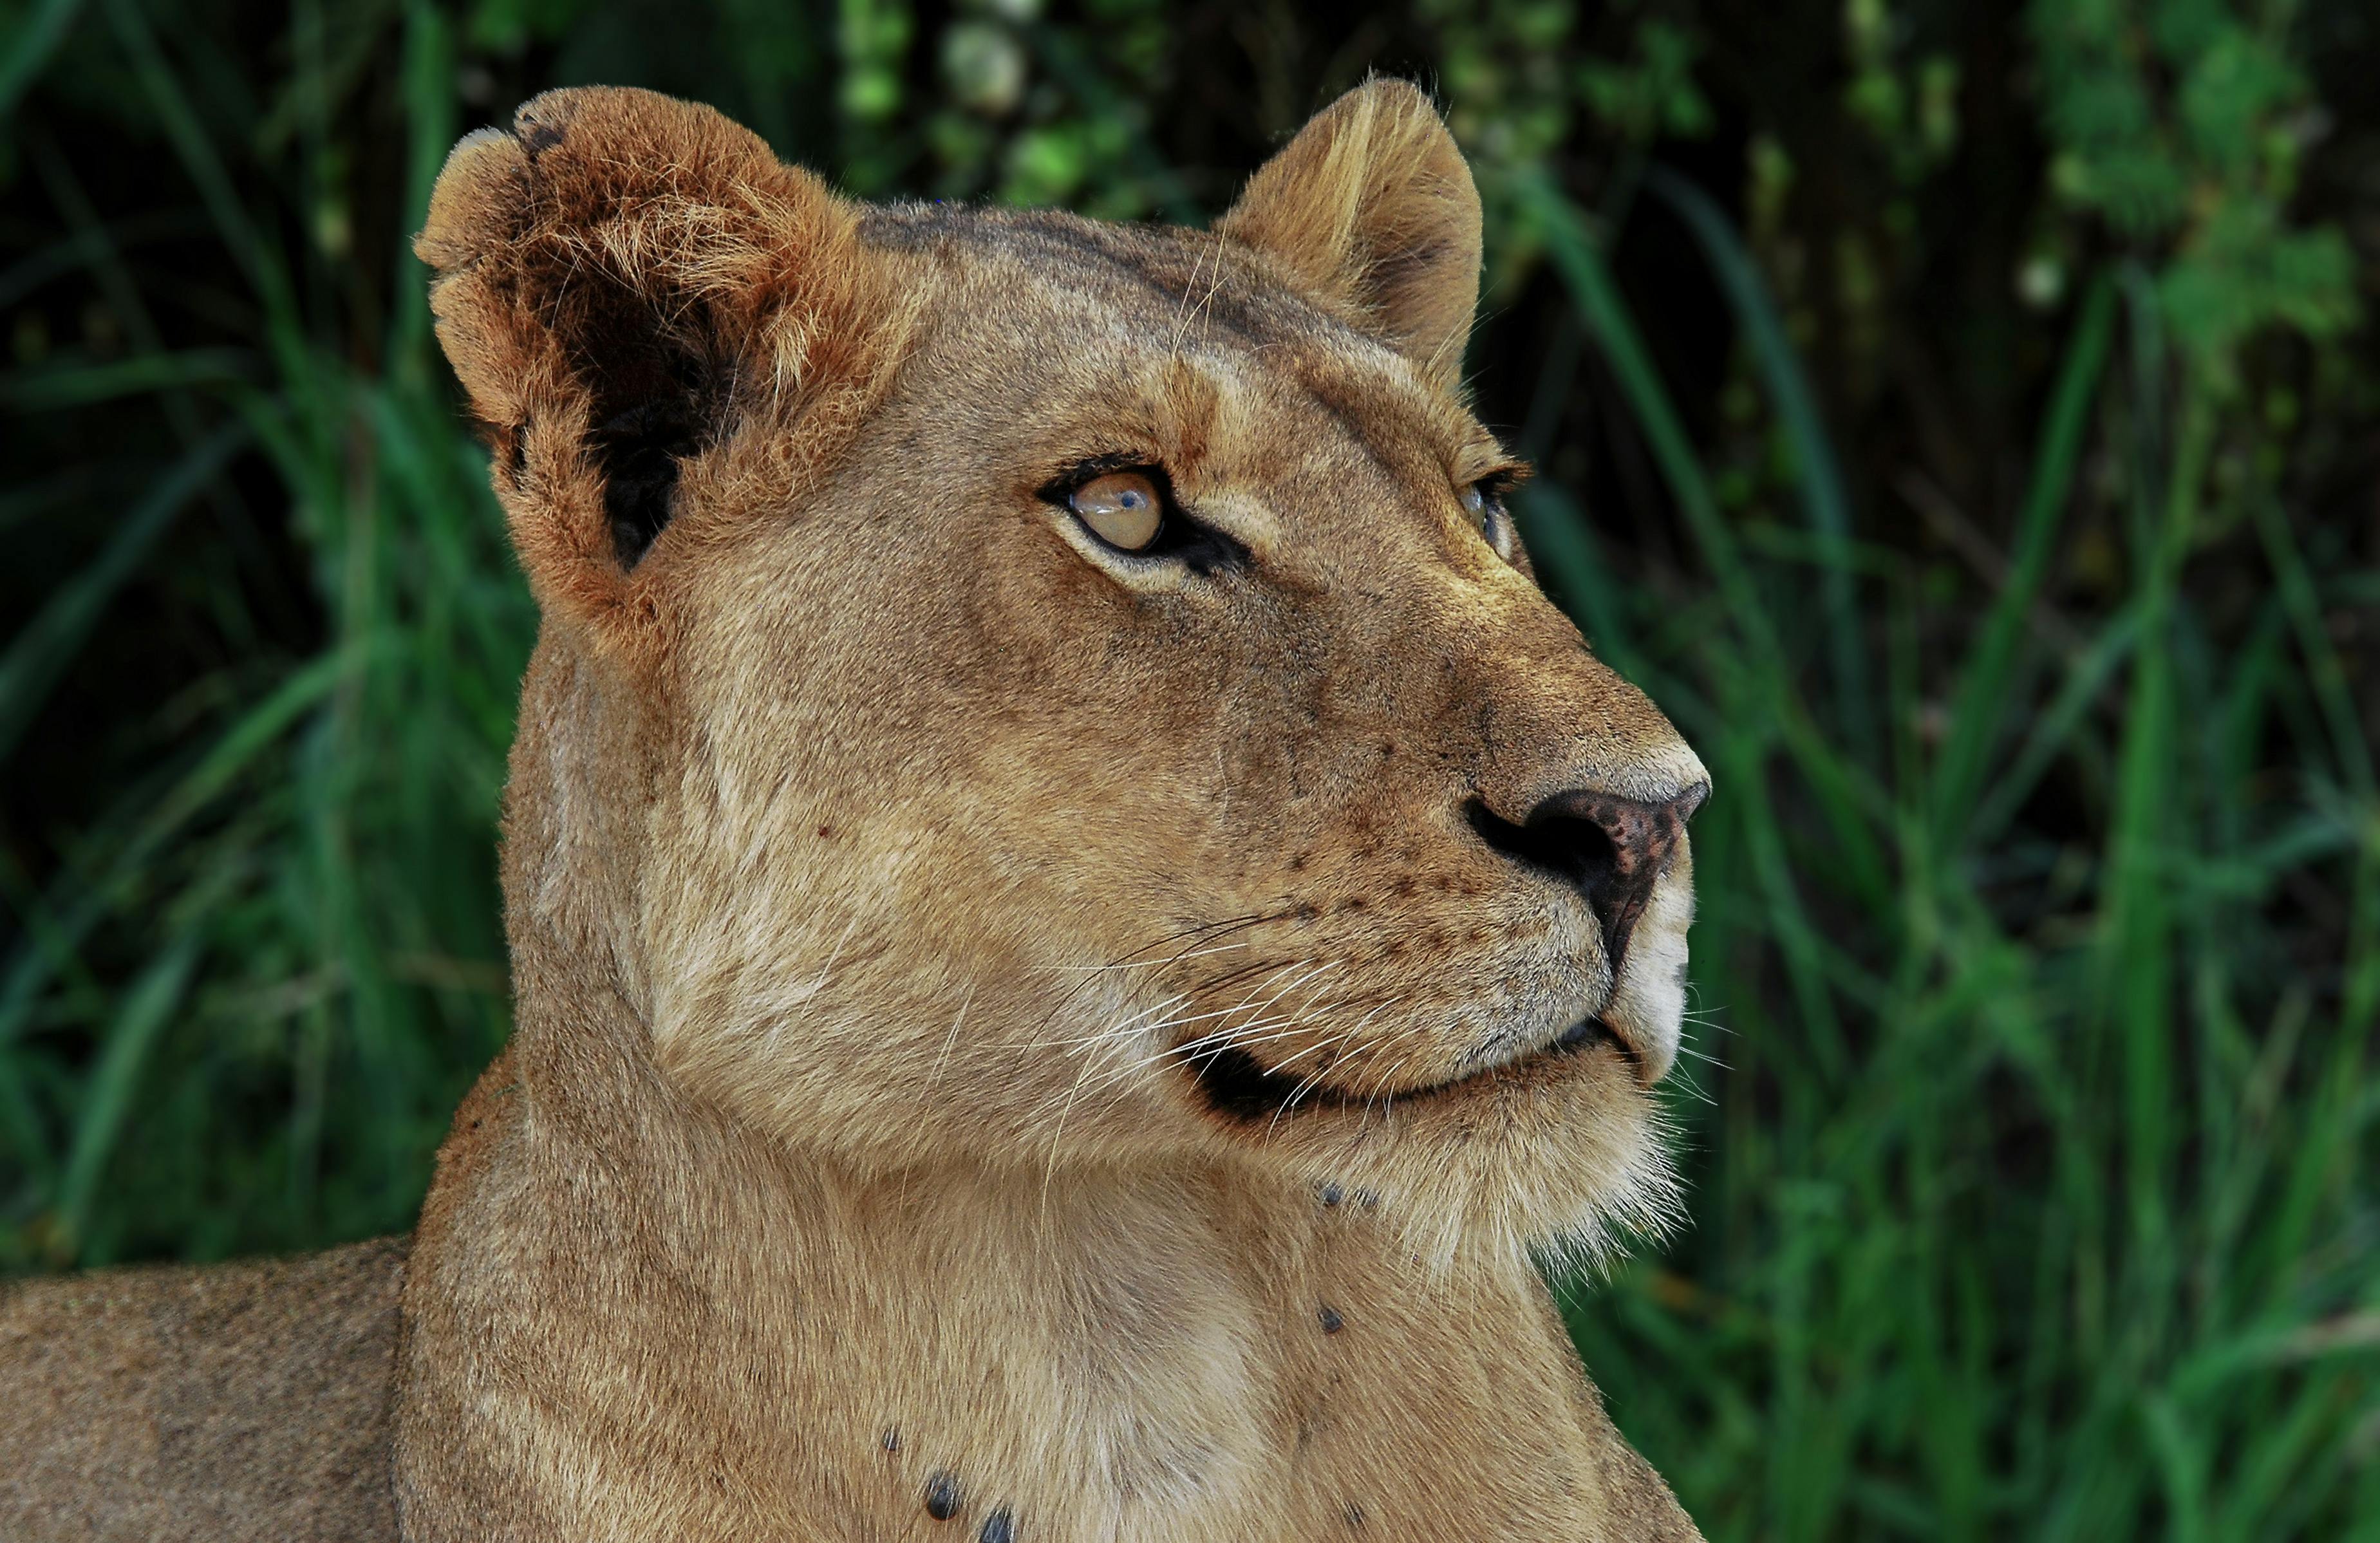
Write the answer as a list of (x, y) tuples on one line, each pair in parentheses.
[(1184, 337)]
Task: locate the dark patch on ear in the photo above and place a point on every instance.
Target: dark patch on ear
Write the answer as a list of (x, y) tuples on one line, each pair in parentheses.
[(657, 399), (639, 451), (538, 138)]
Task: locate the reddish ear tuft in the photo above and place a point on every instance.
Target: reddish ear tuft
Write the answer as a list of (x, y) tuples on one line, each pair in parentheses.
[(1372, 207), (633, 288)]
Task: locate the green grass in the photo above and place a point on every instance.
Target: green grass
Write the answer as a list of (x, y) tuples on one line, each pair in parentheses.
[(2078, 1243), (2033, 1128), (280, 941)]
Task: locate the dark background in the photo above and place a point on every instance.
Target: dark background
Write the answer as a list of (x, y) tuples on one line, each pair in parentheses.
[(1963, 418)]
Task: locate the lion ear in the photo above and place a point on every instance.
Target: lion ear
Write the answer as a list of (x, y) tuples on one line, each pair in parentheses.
[(1372, 206), (629, 287)]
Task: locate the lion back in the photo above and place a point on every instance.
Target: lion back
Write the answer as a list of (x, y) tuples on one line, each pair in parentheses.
[(233, 1402)]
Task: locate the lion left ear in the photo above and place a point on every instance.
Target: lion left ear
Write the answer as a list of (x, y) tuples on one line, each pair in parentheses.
[(645, 307), (1372, 207)]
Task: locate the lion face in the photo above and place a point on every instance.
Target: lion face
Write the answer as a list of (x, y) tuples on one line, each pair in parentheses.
[(1092, 708)]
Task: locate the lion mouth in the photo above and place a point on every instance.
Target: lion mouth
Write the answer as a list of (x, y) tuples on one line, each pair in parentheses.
[(1236, 1084)]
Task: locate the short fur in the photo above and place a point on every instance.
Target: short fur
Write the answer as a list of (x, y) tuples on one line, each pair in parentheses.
[(243, 1401), (887, 863)]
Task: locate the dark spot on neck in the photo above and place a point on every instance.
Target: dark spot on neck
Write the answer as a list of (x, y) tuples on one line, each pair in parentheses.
[(1331, 1321), (942, 1495), (892, 1438), (997, 1528)]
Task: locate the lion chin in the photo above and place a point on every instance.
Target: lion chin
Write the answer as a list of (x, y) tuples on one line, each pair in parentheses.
[(1080, 923)]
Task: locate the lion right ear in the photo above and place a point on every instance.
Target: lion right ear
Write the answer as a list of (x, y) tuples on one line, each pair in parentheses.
[(643, 302), (1372, 207)]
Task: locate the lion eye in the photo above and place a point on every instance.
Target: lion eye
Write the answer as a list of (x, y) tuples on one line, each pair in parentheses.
[(1123, 508), (1486, 511)]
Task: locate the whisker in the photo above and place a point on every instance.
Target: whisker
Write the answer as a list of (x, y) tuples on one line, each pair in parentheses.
[(1191, 936), (1246, 1024), (1322, 1067)]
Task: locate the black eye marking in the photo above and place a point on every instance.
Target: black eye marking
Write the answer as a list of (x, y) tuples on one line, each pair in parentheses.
[(1180, 536)]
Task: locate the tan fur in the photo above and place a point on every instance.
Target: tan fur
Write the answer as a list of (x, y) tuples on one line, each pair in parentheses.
[(880, 852), (243, 1401)]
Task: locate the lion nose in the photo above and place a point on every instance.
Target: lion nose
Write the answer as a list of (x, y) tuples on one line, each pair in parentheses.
[(1610, 849)]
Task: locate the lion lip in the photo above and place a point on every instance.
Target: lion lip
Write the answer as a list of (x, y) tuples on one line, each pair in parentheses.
[(1235, 1084), (1585, 1031), (1596, 1029)]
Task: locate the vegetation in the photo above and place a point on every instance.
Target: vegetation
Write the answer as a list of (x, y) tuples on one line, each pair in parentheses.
[(1963, 419)]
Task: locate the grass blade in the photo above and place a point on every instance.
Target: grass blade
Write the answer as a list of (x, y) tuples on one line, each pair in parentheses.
[(1817, 471), (38, 37), (1981, 704), (39, 655), (76, 908), (129, 1041)]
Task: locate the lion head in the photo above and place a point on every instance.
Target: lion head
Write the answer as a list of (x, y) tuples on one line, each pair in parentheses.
[(1025, 691)]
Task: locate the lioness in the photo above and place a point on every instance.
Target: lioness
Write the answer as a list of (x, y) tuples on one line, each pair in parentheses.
[(1077, 918)]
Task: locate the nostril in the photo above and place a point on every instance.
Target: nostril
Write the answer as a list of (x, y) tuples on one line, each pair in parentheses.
[(1566, 846), (1611, 850)]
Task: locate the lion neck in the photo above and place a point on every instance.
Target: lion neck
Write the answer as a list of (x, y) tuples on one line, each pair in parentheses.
[(762, 1299), (662, 1183)]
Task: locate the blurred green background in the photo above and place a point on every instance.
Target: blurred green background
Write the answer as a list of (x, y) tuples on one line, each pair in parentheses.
[(1963, 418)]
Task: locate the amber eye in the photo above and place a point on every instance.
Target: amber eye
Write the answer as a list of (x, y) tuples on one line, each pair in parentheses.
[(1475, 500), (1485, 505), (1123, 508)]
